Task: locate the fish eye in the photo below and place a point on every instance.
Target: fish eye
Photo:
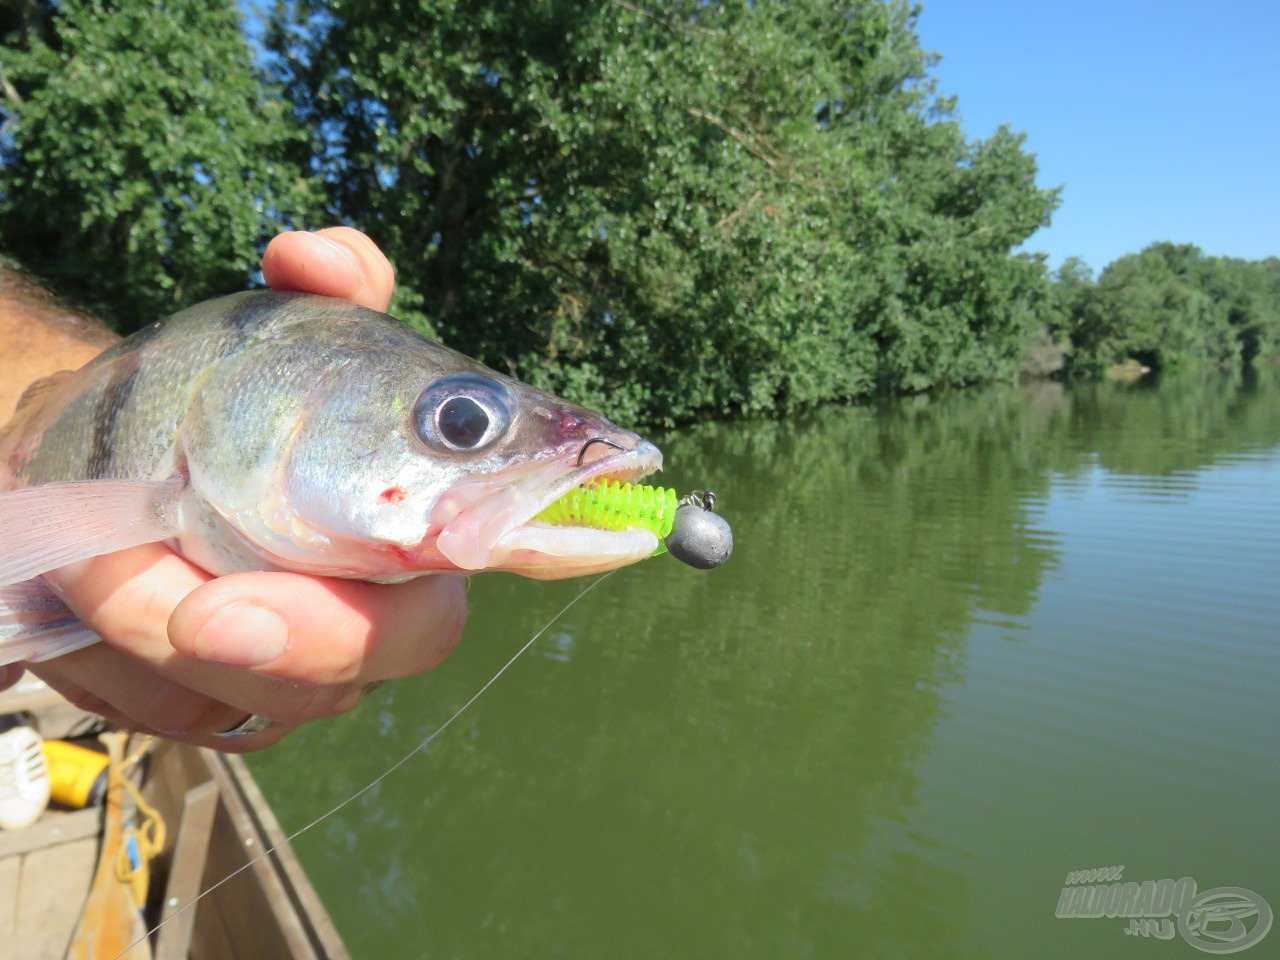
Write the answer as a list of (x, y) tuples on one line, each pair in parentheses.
[(463, 412)]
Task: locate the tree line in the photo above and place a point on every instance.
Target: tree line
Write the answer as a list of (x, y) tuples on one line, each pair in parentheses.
[(1168, 307), (669, 210)]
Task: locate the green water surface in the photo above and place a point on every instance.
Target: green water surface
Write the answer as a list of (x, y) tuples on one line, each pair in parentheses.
[(966, 645)]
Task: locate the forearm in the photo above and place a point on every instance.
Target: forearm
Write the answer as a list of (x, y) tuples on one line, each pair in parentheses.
[(40, 336)]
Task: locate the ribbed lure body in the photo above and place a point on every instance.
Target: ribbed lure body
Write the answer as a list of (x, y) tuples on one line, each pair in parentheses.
[(612, 505)]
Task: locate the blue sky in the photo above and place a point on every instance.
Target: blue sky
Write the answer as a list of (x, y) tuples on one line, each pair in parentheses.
[(1161, 120)]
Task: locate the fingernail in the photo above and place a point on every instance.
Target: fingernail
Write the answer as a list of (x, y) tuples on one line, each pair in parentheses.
[(337, 256), (242, 635)]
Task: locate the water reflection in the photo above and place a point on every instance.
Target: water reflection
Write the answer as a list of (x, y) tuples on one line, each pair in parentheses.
[(729, 764)]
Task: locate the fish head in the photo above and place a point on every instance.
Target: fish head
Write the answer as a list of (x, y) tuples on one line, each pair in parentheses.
[(395, 456), (521, 449)]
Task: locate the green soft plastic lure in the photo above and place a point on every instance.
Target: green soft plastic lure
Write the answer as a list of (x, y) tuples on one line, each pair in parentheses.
[(688, 526), (613, 505)]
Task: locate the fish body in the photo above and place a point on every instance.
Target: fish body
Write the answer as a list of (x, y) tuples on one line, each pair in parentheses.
[(289, 431)]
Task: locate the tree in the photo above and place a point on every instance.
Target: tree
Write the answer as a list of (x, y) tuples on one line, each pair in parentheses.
[(1249, 294), (1162, 317), (1168, 307), (672, 210), (143, 163)]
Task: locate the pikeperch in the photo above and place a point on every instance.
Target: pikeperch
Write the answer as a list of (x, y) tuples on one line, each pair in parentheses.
[(266, 431)]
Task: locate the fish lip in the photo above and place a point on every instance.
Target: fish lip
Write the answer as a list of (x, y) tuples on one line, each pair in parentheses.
[(493, 518)]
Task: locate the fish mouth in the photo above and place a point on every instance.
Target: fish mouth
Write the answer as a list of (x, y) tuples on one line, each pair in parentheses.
[(487, 523)]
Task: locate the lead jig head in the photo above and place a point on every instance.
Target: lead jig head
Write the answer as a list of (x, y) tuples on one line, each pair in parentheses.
[(699, 536)]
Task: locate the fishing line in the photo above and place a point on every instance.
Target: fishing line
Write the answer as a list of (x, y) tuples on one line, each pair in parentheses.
[(386, 773)]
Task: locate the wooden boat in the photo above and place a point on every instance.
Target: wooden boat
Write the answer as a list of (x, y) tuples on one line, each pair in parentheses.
[(60, 898)]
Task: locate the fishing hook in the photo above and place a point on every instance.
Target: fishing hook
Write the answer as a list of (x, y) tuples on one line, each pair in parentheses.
[(605, 440)]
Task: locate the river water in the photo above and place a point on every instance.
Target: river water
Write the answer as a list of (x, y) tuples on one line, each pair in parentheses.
[(967, 645)]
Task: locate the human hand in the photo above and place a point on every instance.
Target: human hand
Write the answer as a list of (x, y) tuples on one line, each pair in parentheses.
[(188, 656)]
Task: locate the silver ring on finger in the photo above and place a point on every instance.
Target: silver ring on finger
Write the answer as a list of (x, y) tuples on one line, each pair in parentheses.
[(253, 723)]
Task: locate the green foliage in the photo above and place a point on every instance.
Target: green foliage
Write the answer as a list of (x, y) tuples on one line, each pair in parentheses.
[(673, 210), (142, 168), (1168, 307), (668, 211)]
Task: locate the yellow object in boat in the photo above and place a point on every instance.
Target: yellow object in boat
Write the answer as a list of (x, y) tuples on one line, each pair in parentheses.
[(77, 775)]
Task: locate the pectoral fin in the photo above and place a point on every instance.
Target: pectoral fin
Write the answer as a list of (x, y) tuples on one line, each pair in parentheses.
[(49, 526), (36, 625)]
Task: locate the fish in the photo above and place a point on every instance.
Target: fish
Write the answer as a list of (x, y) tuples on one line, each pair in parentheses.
[(287, 431)]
